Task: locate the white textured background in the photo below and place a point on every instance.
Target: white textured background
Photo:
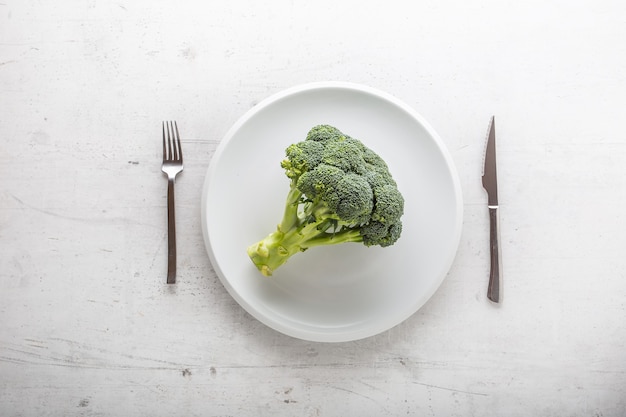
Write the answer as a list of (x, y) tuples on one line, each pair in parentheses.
[(87, 325)]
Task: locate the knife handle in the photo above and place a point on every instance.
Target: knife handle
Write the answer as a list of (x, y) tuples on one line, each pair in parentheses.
[(493, 291)]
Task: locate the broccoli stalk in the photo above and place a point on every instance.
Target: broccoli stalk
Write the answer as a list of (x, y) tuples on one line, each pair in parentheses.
[(298, 231), (340, 192)]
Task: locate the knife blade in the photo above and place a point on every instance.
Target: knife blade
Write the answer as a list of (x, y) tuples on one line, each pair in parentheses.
[(490, 184)]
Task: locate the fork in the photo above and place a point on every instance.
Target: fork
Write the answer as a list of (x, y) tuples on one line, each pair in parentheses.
[(172, 166)]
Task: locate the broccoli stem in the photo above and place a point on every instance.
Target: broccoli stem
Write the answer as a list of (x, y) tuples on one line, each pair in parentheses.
[(290, 217), (296, 233)]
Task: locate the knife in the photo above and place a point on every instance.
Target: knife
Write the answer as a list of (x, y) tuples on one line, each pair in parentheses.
[(490, 183)]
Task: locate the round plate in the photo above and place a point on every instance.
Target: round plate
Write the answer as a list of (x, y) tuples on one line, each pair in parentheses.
[(348, 291)]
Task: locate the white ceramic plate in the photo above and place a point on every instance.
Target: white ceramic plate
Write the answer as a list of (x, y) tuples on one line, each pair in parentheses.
[(348, 291)]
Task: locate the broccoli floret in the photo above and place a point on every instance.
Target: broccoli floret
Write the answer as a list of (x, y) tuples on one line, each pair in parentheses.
[(340, 191), (324, 133)]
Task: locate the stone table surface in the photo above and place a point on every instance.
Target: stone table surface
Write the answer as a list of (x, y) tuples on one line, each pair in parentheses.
[(88, 326)]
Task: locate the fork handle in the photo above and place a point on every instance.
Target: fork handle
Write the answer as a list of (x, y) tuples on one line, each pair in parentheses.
[(171, 233), (493, 290)]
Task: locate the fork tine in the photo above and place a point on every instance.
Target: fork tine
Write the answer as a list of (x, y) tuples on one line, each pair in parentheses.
[(180, 148), (164, 151), (169, 141), (174, 154)]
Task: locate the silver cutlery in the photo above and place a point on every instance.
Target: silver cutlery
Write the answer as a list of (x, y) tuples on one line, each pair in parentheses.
[(490, 183), (172, 166)]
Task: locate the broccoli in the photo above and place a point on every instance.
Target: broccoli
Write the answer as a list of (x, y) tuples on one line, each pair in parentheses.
[(340, 191)]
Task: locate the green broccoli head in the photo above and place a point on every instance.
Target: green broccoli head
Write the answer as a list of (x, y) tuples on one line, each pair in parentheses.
[(341, 191), (324, 133), (301, 157), (347, 197)]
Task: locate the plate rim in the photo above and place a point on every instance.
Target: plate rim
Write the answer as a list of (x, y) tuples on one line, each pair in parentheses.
[(348, 334)]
